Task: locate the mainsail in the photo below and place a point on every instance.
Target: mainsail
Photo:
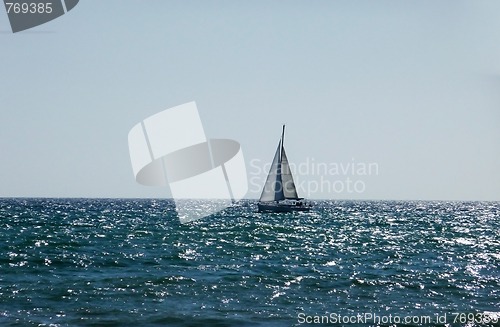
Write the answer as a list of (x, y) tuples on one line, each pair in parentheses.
[(279, 183), (289, 189)]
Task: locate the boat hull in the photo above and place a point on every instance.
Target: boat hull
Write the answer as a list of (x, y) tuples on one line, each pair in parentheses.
[(282, 207)]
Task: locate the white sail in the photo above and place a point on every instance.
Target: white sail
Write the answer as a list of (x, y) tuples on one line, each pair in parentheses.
[(289, 189), (273, 189)]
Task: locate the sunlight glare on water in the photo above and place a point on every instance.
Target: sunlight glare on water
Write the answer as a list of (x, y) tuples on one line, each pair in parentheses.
[(86, 261)]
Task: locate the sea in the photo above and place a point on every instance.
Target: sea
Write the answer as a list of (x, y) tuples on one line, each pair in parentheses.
[(130, 262)]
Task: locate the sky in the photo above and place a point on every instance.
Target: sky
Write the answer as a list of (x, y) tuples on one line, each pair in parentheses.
[(409, 87)]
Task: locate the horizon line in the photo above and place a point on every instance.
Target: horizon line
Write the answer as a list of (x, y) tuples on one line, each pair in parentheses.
[(244, 199)]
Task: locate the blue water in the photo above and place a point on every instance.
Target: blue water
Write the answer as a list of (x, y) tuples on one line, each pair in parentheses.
[(74, 262)]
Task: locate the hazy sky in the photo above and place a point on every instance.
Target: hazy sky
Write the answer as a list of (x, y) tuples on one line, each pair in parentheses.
[(412, 86)]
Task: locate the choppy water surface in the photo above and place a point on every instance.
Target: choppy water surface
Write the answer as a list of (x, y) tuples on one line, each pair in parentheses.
[(129, 262)]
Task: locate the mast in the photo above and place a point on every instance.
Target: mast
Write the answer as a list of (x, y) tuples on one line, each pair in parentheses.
[(282, 141)]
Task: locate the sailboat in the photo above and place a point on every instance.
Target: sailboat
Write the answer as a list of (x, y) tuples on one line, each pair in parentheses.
[(279, 193)]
